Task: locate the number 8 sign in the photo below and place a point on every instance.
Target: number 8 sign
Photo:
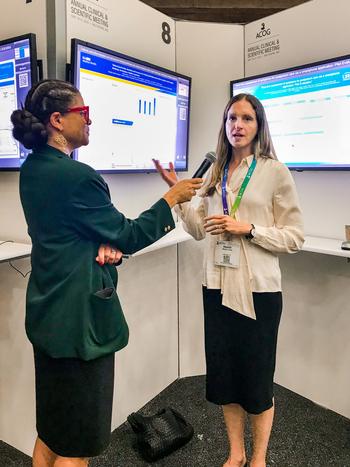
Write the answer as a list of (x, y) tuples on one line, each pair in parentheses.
[(166, 32)]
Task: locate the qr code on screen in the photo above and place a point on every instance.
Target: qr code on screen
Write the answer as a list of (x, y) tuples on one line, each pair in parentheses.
[(183, 113), (23, 80)]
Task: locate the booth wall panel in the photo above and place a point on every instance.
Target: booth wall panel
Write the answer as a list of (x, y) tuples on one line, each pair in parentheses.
[(17, 407), (147, 284), (17, 399), (18, 17), (149, 363), (212, 55), (314, 347), (314, 336)]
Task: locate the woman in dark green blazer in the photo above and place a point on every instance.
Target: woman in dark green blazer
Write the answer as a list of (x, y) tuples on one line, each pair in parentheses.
[(73, 316)]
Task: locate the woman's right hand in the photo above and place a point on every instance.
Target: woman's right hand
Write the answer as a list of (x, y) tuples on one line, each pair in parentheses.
[(180, 190), (183, 191), (169, 176)]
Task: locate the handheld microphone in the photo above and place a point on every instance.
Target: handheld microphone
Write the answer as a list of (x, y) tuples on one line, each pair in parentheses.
[(209, 159)]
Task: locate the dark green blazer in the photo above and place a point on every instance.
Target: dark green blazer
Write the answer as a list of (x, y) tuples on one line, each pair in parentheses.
[(72, 309)]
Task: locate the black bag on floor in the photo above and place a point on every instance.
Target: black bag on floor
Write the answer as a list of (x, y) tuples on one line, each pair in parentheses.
[(160, 434)]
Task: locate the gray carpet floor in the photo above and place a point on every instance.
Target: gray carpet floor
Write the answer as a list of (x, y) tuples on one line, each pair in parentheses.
[(304, 434)]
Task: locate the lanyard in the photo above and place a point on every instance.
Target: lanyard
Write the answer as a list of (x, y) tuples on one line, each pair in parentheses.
[(241, 190)]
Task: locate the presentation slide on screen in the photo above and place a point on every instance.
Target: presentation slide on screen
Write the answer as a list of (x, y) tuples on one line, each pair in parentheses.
[(308, 111), (135, 115), (8, 103), (15, 80)]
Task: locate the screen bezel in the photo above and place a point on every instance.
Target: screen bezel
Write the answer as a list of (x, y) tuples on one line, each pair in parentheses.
[(31, 37), (285, 70), (73, 67)]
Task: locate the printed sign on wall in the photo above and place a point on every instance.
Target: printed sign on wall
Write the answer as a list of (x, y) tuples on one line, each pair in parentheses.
[(264, 43), (91, 12), (127, 26)]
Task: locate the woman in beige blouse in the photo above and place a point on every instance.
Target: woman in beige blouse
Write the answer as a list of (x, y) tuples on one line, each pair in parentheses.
[(248, 214)]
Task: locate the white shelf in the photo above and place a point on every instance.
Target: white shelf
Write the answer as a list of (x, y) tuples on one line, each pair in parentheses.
[(12, 250), (326, 246), (177, 235)]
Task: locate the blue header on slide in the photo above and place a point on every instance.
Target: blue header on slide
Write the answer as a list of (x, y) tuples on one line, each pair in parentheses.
[(7, 70), (286, 84), (121, 70)]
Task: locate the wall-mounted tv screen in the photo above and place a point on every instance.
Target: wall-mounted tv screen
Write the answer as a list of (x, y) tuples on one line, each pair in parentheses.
[(308, 110), (18, 71), (139, 111)]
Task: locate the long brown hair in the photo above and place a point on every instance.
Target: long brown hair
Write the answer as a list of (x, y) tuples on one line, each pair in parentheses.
[(263, 146)]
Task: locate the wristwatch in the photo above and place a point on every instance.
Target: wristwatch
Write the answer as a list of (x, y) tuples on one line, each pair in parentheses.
[(251, 233)]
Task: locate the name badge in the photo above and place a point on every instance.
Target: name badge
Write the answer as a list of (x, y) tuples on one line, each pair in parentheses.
[(227, 253)]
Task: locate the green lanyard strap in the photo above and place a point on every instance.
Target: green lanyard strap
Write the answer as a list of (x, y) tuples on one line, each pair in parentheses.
[(241, 190)]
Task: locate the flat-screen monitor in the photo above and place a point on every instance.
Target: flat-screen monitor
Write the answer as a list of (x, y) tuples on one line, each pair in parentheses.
[(18, 72), (139, 111), (308, 110)]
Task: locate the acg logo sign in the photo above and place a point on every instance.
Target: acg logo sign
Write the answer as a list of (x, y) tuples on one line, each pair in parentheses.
[(263, 32)]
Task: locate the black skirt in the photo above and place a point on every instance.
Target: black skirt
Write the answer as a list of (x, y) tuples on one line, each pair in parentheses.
[(74, 404), (241, 352)]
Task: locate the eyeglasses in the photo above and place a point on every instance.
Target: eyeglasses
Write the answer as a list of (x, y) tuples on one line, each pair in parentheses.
[(84, 112)]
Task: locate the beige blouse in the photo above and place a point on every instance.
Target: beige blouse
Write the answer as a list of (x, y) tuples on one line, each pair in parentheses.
[(270, 202)]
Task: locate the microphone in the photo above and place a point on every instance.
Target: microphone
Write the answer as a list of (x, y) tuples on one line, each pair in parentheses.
[(209, 158)]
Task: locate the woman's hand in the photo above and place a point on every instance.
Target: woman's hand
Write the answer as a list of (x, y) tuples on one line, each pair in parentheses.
[(216, 225), (183, 191), (180, 190), (108, 255), (169, 176)]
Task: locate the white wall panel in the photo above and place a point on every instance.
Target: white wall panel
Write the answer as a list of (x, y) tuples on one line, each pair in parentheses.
[(313, 351), (212, 55), (18, 17), (313, 343), (136, 30), (314, 347), (13, 225), (307, 34), (17, 406), (149, 363), (147, 284), (17, 399)]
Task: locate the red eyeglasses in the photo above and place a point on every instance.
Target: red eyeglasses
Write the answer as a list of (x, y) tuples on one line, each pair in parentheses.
[(84, 112)]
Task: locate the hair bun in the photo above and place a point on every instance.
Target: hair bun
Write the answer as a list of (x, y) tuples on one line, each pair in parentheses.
[(43, 99), (26, 113), (28, 129)]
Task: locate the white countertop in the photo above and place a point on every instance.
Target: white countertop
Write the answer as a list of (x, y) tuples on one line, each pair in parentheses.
[(326, 246), (12, 250), (175, 236)]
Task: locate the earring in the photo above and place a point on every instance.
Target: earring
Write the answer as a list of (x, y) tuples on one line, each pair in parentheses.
[(61, 141)]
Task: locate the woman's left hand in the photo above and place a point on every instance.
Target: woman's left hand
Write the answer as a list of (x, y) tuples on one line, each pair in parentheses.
[(216, 225), (169, 176), (108, 255)]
